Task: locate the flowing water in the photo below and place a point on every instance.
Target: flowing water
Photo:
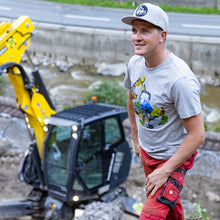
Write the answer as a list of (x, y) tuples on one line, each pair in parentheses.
[(68, 88)]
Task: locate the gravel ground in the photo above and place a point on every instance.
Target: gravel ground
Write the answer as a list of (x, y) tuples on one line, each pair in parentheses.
[(202, 182)]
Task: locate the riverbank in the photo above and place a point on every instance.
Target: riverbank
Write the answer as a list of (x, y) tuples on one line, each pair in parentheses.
[(63, 78), (93, 45)]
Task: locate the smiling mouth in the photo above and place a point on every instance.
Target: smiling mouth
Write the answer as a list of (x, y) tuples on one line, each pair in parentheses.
[(139, 45)]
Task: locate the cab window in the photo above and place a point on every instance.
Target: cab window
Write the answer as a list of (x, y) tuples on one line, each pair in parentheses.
[(57, 154), (112, 132), (89, 157)]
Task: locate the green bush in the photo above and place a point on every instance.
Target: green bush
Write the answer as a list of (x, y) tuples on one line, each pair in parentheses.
[(217, 128), (198, 213), (108, 92), (206, 126), (201, 212)]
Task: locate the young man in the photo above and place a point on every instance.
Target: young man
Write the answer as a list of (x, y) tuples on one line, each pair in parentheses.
[(164, 111)]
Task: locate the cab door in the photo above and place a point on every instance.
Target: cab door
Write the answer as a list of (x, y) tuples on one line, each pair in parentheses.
[(89, 159), (103, 156)]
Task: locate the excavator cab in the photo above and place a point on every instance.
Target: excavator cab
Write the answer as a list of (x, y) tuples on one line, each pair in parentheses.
[(85, 153)]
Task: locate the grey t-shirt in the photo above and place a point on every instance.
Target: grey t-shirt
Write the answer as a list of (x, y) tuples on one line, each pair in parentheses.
[(162, 96)]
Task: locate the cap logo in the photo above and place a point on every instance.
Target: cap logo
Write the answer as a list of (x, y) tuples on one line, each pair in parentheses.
[(141, 11)]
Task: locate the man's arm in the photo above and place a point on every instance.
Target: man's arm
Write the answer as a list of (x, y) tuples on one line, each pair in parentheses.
[(134, 129), (195, 137)]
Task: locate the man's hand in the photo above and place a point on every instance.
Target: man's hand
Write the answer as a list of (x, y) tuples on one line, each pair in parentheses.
[(155, 180)]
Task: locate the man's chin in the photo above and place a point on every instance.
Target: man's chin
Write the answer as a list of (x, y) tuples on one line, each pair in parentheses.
[(139, 53)]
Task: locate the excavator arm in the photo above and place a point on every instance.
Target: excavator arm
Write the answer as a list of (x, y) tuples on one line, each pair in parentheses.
[(31, 97), (15, 39)]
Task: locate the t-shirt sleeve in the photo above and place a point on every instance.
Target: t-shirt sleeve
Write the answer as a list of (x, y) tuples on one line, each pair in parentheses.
[(127, 80), (186, 98)]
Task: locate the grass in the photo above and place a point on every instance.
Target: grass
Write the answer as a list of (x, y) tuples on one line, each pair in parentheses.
[(132, 5), (101, 3), (202, 10)]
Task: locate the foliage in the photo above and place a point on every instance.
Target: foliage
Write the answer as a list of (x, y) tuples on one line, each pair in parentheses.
[(201, 212), (101, 3), (133, 4), (198, 213), (214, 128), (108, 92), (202, 10), (206, 126), (217, 128)]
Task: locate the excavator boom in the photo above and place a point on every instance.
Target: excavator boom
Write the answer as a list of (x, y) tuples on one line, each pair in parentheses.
[(15, 39), (31, 97)]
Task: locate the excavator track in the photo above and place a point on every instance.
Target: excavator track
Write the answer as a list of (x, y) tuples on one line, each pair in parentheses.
[(30, 206)]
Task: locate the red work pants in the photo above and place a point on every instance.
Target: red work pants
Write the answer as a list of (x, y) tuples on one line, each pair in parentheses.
[(166, 202)]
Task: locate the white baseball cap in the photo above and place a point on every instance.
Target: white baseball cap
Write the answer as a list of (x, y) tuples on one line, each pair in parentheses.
[(150, 13)]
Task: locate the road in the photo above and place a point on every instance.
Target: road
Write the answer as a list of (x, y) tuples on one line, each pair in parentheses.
[(107, 18)]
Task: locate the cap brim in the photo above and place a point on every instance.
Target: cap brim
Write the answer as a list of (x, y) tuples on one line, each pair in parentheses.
[(129, 19)]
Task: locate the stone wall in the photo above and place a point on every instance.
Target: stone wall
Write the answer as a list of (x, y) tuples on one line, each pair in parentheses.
[(92, 46)]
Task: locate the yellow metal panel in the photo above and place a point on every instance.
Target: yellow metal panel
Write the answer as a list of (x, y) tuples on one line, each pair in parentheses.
[(15, 39), (22, 95), (41, 111)]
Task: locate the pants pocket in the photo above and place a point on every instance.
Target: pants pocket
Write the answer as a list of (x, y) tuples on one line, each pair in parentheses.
[(172, 188)]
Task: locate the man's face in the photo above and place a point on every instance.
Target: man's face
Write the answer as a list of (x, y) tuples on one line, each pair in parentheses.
[(145, 38)]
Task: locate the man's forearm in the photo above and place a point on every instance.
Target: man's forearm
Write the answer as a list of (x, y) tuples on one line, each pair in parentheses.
[(132, 119), (190, 144)]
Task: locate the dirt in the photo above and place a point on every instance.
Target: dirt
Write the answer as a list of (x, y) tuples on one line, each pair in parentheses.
[(202, 185)]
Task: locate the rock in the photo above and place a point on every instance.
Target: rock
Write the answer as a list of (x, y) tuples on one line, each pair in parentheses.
[(101, 211), (63, 66), (212, 197), (111, 69), (7, 100), (212, 135), (213, 116), (2, 151), (194, 196)]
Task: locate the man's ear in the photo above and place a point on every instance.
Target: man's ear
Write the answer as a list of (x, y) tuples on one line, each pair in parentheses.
[(163, 36)]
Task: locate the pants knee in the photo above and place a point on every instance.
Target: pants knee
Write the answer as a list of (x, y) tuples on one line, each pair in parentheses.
[(147, 216)]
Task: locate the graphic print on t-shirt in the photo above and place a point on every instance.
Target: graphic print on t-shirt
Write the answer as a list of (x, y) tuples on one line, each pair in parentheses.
[(150, 117)]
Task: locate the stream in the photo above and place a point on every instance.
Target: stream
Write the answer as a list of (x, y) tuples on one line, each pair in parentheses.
[(67, 85)]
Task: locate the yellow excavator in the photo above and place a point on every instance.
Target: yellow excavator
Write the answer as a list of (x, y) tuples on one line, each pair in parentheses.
[(76, 156)]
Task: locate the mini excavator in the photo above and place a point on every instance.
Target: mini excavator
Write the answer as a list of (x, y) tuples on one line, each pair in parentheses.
[(75, 156)]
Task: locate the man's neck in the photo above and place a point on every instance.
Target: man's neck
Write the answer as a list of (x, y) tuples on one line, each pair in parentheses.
[(156, 59)]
